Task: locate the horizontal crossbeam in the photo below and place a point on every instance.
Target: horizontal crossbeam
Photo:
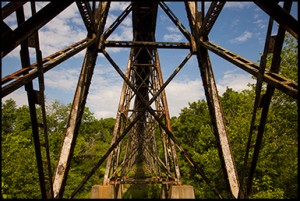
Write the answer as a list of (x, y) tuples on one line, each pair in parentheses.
[(22, 32), (21, 77), (147, 44), (285, 85)]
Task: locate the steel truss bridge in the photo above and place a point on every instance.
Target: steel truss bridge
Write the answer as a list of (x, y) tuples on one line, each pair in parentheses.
[(136, 120)]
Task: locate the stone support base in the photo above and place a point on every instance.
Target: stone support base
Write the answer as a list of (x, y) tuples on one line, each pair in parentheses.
[(106, 191), (182, 192)]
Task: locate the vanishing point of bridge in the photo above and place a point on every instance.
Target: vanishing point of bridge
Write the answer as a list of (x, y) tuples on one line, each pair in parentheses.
[(142, 120)]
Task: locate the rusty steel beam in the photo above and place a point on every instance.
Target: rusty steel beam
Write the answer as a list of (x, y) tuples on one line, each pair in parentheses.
[(26, 29), (152, 112), (214, 105), (280, 15), (41, 101), (33, 99), (118, 21), (211, 17), (79, 100), (275, 65), (75, 116), (10, 8), (166, 114), (175, 20), (258, 88), (170, 45), (280, 82), (19, 78), (142, 68), (87, 16), (117, 127)]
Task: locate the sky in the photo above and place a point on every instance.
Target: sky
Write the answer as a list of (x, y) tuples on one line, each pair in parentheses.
[(241, 28)]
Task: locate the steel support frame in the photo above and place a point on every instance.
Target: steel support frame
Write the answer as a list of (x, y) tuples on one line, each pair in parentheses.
[(257, 101), (139, 67), (27, 28), (36, 97), (161, 107), (14, 81), (78, 104), (280, 15), (152, 112), (213, 102), (275, 65), (278, 81)]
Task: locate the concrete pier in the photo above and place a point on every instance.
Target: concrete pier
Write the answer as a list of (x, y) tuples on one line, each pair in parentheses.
[(106, 191), (182, 192)]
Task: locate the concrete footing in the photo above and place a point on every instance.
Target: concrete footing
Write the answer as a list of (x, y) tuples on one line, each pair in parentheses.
[(106, 191), (115, 192), (181, 191)]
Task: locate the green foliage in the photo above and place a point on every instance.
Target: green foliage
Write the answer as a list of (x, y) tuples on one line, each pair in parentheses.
[(276, 172), (19, 173)]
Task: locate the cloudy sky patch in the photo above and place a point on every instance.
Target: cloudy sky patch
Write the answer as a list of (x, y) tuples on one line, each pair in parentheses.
[(242, 38)]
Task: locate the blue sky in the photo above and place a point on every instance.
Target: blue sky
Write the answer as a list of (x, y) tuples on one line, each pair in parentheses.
[(240, 28)]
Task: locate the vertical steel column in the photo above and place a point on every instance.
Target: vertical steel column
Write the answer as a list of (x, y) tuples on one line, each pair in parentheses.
[(119, 124), (258, 97), (166, 113), (213, 102), (35, 97), (276, 59), (78, 105)]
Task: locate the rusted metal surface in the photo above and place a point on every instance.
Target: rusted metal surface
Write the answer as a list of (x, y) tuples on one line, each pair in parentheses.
[(280, 15), (168, 45), (17, 79), (214, 106), (258, 96), (36, 97), (77, 109), (276, 59), (26, 29), (280, 82), (87, 16), (10, 8), (211, 16), (143, 79)]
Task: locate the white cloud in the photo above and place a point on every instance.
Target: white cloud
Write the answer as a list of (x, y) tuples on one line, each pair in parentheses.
[(104, 101), (57, 34), (124, 35), (104, 93), (64, 79), (239, 5), (173, 37), (172, 29), (242, 38), (180, 93), (260, 23), (234, 80), (118, 6), (105, 90), (19, 96), (235, 22)]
